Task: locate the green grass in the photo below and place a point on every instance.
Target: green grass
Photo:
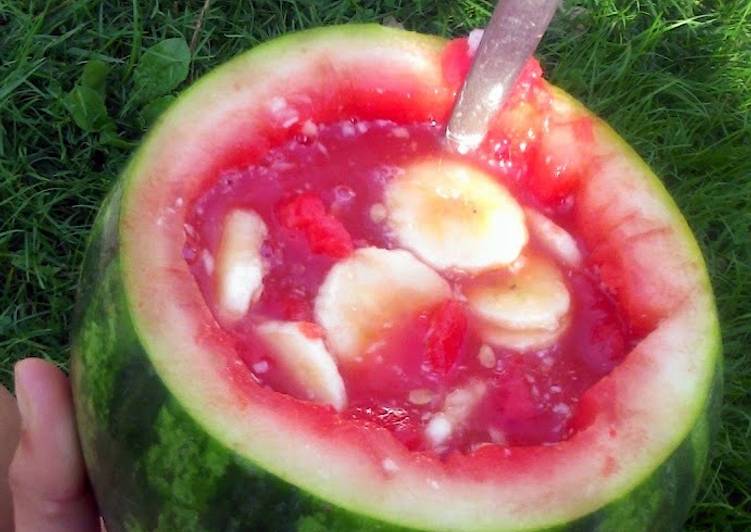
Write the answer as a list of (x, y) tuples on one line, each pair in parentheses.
[(674, 77)]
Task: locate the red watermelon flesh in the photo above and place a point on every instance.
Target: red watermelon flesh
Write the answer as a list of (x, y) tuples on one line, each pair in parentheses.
[(320, 192)]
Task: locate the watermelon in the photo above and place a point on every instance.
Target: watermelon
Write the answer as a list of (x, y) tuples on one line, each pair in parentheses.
[(176, 433)]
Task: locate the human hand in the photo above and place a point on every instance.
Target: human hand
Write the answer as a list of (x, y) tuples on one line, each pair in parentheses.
[(9, 424), (47, 478)]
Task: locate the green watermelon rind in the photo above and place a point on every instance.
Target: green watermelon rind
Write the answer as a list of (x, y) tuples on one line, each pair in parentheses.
[(154, 467)]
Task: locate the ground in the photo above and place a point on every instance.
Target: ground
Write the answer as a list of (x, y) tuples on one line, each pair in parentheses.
[(672, 76)]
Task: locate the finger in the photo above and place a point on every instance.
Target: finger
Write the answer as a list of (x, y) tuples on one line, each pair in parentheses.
[(9, 423), (47, 475)]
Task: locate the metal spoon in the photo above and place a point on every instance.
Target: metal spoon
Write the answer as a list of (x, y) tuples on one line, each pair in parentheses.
[(512, 35)]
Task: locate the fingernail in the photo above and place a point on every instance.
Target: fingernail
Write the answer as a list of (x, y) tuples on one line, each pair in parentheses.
[(25, 404)]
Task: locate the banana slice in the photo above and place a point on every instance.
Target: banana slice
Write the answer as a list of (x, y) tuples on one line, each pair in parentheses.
[(452, 215), (303, 358), (239, 266), (371, 291), (524, 307), (521, 340), (556, 240)]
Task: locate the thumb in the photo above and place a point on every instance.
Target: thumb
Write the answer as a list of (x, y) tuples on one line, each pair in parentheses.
[(47, 475), (8, 440)]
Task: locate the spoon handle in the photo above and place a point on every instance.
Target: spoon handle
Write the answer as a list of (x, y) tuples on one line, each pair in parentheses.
[(512, 35)]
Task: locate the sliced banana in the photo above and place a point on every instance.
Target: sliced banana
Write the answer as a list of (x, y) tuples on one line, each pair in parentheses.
[(371, 291), (556, 240), (239, 265), (305, 360), (524, 307), (521, 340), (452, 215)]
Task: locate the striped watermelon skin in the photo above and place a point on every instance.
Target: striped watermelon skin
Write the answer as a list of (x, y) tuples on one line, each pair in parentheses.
[(153, 466)]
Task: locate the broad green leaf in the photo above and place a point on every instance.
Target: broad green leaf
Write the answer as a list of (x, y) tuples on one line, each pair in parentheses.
[(161, 68), (94, 75), (87, 108), (153, 110)]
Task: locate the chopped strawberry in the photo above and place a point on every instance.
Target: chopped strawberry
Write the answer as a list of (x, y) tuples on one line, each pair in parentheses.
[(445, 336), (325, 234)]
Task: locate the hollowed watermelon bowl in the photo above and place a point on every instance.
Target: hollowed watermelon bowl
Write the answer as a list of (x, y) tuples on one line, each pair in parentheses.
[(179, 434)]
